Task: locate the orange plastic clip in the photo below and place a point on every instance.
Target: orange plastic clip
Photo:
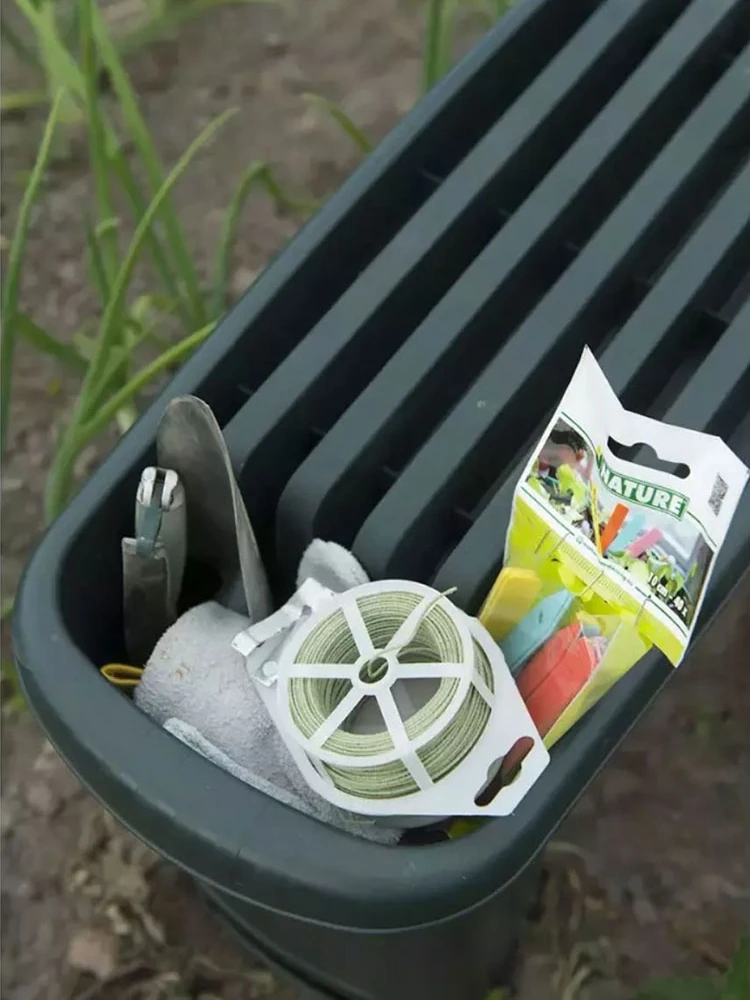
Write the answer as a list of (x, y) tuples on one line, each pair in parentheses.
[(612, 528), (557, 673)]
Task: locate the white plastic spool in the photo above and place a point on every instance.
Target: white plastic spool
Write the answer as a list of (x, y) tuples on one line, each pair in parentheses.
[(274, 666)]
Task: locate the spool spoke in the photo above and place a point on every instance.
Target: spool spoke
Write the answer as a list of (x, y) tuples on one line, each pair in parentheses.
[(358, 628), (324, 671), (401, 743), (340, 713), (393, 721), (482, 688), (418, 671)]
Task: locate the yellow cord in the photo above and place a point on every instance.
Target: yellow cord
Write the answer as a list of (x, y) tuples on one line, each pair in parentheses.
[(122, 674)]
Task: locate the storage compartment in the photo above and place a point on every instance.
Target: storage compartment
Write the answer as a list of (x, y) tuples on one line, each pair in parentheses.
[(583, 177)]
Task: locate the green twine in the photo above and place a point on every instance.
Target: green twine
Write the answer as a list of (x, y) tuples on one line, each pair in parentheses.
[(436, 640)]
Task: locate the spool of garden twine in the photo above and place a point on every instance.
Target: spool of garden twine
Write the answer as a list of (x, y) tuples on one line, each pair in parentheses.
[(378, 640)]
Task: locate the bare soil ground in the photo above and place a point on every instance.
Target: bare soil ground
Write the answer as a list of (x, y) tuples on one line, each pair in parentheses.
[(651, 873)]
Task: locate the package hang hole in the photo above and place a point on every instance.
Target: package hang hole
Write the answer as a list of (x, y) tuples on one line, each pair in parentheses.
[(645, 455), (504, 771)]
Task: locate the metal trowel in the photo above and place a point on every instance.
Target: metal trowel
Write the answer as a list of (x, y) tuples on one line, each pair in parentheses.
[(219, 533)]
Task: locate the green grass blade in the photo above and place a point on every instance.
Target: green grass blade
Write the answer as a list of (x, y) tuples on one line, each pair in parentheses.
[(172, 356), (58, 486), (23, 100), (106, 241), (117, 163), (119, 360), (175, 15), (70, 28), (44, 342), (283, 201), (113, 314), (78, 435), (737, 983), (152, 166), (24, 52), (97, 270), (12, 277), (342, 119), (109, 407), (112, 377), (694, 988), (59, 67), (436, 58), (13, 700), (227, 237), (138, 204), (151, 309), (66, 69), (501, 7)]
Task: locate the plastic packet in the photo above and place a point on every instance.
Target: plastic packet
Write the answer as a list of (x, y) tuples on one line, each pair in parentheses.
[(615, 526)]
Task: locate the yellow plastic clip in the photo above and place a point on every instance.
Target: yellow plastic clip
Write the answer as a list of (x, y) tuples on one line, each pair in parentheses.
[(122, 675), (510, 599)]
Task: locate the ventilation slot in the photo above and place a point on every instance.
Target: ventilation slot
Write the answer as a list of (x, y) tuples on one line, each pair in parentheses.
[(344, 351), (676, 64), (683, 223), (265, 336)]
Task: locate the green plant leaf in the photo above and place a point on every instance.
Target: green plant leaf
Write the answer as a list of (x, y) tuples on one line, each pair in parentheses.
[(12, 277), (23, 100), (737, 980), (45, 342), (13, 700), (166, 17), (342, 119), (152, 166), (138, 204), (60, 69), (693, 988), (61, 472), (283, 201), (118, 164), (102, 243), (6, 608), (151, 306), (95, 260), (172, 356), (436, 57), (24, 52), (78, 436), (502, 7), (70, 28), (488, 10), (118, 361), (227, 236), (83, 340), (113, 312), (108, 160)]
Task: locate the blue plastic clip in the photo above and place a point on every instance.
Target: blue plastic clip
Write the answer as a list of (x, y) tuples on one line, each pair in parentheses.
[(631, 529), (539, 625)]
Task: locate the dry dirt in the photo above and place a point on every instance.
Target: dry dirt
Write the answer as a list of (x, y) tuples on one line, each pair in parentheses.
[(649, 876)]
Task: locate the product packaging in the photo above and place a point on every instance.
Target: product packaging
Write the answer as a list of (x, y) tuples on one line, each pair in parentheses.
[(615, 527)]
